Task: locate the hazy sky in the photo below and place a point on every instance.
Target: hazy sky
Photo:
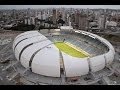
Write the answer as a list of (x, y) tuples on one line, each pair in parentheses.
[(56, 6)]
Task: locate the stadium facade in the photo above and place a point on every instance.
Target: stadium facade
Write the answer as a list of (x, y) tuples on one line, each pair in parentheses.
[(39, 53)]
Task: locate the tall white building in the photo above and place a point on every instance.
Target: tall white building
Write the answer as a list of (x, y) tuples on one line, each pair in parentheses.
[(63, 15), (69, 21), (39, 15), (101, 21), (36, 13), (44, 16), (32, 20), (25, 21), (97, 15), (29, 23)]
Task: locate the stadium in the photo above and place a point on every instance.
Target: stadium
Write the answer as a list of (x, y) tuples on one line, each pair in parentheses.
[(68, 53)]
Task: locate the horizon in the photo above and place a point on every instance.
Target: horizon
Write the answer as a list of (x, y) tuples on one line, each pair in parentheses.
[(59, 6)]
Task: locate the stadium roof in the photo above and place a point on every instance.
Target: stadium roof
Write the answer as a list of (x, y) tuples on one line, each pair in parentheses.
[(38, 53), (66, 27)]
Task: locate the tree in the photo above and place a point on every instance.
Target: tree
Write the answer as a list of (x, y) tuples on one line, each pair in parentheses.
[(23, 27), (50, 23), (41, 21), (61, 21)]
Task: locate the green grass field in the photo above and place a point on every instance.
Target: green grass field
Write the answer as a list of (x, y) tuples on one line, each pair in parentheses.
[(69, 50)]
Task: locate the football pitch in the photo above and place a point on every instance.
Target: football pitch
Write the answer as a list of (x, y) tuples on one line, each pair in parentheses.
[(69, 50)]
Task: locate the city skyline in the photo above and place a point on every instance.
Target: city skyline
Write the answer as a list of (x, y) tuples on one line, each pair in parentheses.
[(60, 6)]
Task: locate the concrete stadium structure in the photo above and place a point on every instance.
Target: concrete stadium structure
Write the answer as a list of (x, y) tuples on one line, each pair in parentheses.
[(38, 52)]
